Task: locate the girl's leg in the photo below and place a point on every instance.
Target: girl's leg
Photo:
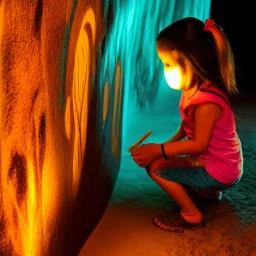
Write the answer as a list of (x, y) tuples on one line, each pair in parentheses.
[(211, 194), (207, 193), (175, 190)]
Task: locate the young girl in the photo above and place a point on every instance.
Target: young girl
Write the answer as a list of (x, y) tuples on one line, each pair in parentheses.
[(205, 153)]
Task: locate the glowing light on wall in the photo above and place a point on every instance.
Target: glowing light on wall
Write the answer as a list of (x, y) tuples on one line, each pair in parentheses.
[(116, 132), (80, 94), (1, 79), (34, 190), (68, 126), (112, 102), (25, 214), (43, 148), (105, 102)]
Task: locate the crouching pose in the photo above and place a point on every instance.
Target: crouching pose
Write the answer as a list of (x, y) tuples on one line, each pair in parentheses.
[(205, 154)]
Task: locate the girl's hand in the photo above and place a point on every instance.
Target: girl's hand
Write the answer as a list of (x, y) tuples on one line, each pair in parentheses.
[(146, 154)]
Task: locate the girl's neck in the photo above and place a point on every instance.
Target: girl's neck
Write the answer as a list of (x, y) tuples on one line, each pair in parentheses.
[(191, 91)]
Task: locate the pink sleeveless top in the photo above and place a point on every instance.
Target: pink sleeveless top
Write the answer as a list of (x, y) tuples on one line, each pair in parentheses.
[(224, 159)]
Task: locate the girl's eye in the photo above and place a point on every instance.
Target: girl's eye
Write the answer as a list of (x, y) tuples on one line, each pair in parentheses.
[(167, 65)]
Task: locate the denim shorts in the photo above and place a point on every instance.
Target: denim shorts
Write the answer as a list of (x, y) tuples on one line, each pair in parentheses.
[(194, 176)]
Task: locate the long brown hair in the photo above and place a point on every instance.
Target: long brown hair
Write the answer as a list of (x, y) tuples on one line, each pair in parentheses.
[(208, 50)]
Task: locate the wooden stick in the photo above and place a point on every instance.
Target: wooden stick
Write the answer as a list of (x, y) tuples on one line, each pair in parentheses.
[(137, 144)]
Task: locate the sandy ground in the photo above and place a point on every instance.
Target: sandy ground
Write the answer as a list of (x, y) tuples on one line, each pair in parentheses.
[(126, 228)]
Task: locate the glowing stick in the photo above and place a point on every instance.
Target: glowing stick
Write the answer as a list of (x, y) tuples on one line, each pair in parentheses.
[(137, 144)]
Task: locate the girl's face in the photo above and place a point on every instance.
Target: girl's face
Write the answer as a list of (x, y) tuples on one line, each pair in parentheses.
[(177, 70)]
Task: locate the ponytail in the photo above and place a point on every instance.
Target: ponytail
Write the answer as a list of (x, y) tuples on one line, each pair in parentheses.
[(225, 56)]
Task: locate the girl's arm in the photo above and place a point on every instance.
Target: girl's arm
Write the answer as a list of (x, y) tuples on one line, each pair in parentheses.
[(179, 135), (205, 118)]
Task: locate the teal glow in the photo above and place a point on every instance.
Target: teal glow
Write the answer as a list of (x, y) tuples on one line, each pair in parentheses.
[(130, 38)]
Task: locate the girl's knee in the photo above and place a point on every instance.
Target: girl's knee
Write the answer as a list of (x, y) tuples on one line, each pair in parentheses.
[(152, 169), (159, 164)]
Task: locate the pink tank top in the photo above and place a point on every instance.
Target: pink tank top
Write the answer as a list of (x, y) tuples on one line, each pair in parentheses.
[(224, 159)]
